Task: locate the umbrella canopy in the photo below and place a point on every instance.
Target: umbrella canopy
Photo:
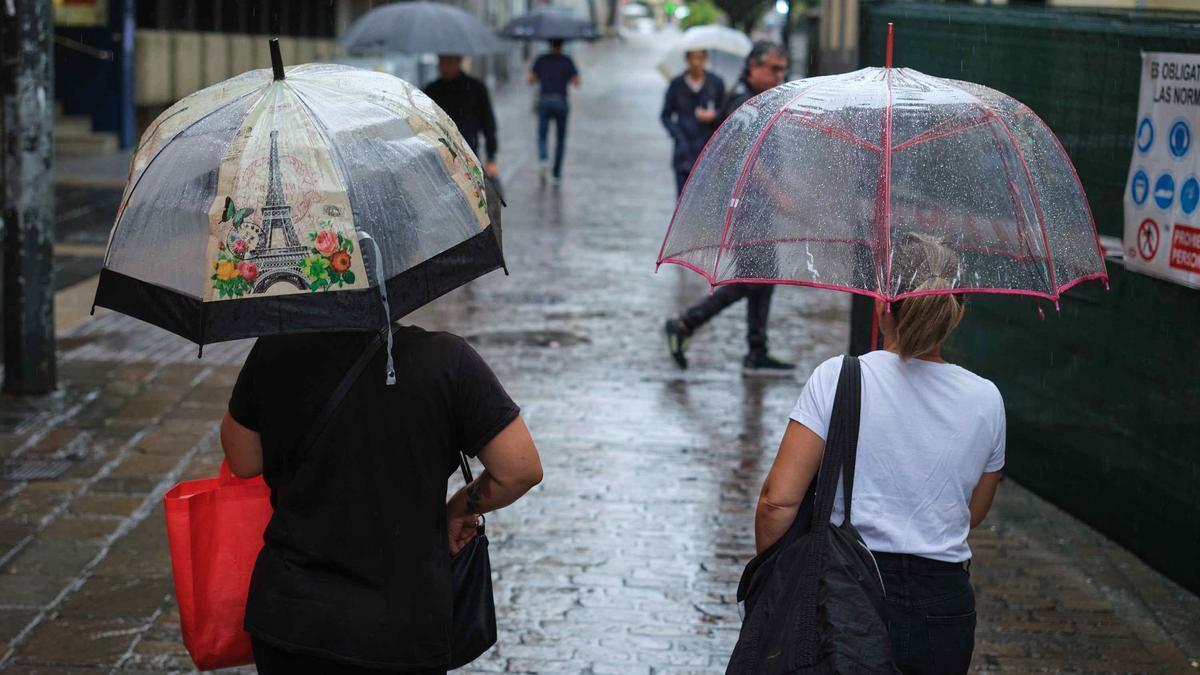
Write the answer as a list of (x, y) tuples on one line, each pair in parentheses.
[(847, 182), (550, 23), (265, 206), (420, 28), (727, 49)]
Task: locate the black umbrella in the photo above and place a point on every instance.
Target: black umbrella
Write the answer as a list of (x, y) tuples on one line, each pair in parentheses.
[(420, 28), (550, 24)]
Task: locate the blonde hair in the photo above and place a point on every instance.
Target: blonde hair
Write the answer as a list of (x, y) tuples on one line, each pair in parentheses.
[(924, 322)]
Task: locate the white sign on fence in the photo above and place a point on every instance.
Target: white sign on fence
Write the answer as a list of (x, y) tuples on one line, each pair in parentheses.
[(1162, 195)]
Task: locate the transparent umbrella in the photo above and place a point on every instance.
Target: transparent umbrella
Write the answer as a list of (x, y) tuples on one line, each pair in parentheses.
[(727, 49), (320, 198), (850, 181)]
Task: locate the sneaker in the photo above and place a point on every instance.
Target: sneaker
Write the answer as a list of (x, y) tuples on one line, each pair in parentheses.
[(555, 181), (543, 172), (677, 342), (765, 364)]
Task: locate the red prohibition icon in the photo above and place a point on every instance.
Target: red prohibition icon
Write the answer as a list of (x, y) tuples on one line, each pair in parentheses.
[(1147, 239)]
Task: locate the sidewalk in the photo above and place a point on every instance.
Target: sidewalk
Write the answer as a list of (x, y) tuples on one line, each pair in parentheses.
[(626, 558)]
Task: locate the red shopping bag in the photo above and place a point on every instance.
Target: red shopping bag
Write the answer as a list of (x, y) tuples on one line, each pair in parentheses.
[(215, 530)]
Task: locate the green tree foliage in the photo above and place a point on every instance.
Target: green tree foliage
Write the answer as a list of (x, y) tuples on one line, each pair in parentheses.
[(703, 12), (743, 14)]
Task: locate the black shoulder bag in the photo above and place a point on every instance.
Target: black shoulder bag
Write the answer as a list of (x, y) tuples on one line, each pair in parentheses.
[(814, 600), (474, 630), (474, 605)]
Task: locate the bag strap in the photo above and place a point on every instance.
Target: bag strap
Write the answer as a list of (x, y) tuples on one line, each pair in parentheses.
[(321, 425), (850, 444), (841, 443)]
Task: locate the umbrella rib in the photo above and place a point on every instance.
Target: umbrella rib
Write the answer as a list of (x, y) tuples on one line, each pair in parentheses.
[(751, 157), (133, 188), (930, 135), (1012, 191), (1082, 193), (886, 221), (334, 155), (1037, 203), (836, 132)]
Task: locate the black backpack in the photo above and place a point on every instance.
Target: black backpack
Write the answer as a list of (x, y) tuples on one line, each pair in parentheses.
[(813, 601)]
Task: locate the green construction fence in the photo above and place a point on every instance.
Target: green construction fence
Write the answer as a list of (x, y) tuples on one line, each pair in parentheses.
[(1102, 396)]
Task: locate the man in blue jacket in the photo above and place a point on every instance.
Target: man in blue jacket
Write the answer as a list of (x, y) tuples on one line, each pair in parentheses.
[(690, 113)]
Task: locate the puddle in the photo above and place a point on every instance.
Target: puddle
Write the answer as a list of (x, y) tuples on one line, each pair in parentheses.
[(528, 338)]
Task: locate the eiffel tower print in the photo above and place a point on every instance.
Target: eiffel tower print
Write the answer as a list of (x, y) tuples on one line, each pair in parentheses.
[(278, 251)]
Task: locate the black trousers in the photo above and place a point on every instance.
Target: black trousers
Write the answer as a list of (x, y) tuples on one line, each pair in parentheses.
[(930, 613), (271, 660), (758, 310)]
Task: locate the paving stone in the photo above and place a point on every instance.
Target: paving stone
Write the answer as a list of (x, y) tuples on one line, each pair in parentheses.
[(78, 642), (142, 465), (72, 529), (47, 557), (118, 597), (100, 504), (30, 591), (141, 553), (12, 622)]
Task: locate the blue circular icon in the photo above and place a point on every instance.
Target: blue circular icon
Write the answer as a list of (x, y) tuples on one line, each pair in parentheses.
[(1164, 191), (1189, 195), (1139, 188), (1145, 135), (1180, 139)]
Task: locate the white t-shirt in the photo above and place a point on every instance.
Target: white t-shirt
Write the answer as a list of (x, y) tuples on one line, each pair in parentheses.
[(927, 432)]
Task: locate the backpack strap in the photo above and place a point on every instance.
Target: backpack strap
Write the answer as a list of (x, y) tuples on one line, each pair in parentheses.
[(841, 442)]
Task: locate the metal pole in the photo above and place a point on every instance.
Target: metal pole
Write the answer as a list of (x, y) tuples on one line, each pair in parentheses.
[(786, 33), (26, 85)]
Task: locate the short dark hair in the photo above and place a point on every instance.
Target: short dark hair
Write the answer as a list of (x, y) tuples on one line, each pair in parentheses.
[(556, 44), (759, 52)]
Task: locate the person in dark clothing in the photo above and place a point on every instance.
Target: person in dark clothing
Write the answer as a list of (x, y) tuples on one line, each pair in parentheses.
[(766, 66), (355, 570), (465, 99), (690, 111), (552, 72)]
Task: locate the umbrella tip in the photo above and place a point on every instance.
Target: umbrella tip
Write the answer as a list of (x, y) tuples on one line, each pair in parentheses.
[(890, 40), (276, 59)]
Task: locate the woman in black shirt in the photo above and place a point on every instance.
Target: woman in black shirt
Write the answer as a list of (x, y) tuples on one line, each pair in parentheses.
[(355, 571)]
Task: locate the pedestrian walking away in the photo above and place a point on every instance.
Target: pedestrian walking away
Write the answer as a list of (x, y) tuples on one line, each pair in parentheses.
[(356, 568), (931, 446), (766, 66), (552, 72), (690, 113), (465, 99)]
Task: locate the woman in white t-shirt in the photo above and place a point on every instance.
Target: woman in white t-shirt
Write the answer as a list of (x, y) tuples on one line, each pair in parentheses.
[(930, 450)]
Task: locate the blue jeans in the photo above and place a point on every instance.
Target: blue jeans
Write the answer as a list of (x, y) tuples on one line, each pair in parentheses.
[(552, 107)]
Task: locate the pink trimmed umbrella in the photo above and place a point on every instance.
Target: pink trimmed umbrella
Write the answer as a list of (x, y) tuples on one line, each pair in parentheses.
[(835, 182)]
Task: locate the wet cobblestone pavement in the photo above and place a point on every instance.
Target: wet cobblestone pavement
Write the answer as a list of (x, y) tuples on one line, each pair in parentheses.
[(626, 559)]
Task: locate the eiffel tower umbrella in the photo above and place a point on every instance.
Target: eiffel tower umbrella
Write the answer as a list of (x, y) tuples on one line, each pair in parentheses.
[(267, 205)]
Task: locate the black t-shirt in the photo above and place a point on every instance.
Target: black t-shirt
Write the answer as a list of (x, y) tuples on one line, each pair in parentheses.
[(356, 561), (554, 73), (465, 99)]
